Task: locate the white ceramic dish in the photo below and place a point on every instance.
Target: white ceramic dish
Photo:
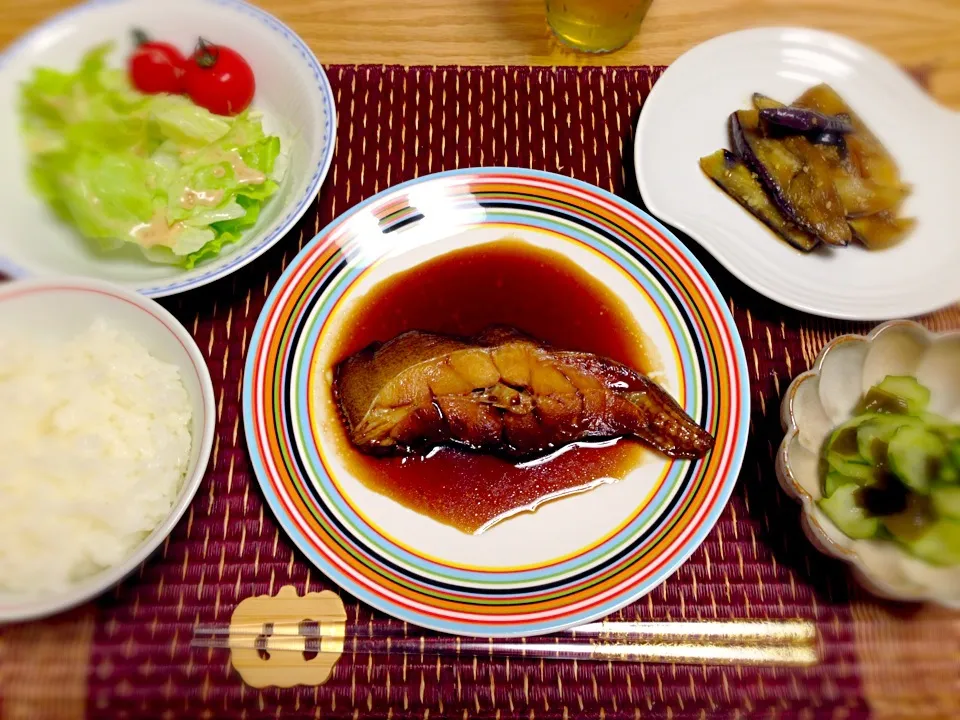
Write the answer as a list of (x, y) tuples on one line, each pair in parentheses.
[(59, 309), (292, 92), (685, 118), (822, 398)]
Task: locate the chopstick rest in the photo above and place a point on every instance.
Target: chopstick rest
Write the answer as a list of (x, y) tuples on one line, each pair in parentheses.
[(274, 622)]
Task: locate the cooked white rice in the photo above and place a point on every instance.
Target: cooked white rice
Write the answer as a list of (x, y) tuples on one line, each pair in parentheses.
[(94, 444)]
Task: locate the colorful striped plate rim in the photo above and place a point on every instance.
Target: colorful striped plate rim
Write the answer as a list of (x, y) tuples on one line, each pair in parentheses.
[(382, 570)]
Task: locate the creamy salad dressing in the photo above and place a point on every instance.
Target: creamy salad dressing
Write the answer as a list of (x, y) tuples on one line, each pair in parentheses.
[(244, 174), (158, 231), (191, 198)]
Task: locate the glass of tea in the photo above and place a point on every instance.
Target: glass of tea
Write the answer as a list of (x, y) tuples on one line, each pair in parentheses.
[(596, 25)]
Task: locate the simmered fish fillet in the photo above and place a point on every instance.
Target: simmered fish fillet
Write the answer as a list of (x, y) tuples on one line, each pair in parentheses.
[(501, 392)]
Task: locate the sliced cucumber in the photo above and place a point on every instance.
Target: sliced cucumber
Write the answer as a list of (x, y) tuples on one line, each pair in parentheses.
[(912, 521), (852, 520), (935, 421), (835, 480), (946, 501), (843, 440), (949, 429), (893, 472), (949, 473), (873, 435), (879, 402), (954, 453), (893, 423), (939, 544), (915, 456), (915, 395), (857, 470)]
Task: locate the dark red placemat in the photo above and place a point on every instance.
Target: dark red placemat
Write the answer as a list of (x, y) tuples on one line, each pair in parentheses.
[(396, 124)]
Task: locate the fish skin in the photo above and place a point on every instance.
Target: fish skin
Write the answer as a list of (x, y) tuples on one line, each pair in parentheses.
[(504, 393)]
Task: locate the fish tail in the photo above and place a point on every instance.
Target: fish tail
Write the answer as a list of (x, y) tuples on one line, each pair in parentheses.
[(662, 423)]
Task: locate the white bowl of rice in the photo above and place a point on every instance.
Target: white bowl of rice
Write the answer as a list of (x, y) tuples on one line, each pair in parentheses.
[(106, 425)]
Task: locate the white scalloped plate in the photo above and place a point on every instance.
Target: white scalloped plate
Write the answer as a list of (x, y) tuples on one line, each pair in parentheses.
[(685, 118)]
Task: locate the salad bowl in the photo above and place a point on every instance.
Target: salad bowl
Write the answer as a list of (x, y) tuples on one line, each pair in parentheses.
[(293, 101)]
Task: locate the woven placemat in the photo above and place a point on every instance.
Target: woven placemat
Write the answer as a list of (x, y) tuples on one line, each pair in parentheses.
[(396, 124)]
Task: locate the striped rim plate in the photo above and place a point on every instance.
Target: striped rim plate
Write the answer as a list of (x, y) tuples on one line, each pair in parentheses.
[(571, 561)]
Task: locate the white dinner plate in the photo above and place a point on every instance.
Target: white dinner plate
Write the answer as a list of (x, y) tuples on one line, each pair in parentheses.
[(685, 118)]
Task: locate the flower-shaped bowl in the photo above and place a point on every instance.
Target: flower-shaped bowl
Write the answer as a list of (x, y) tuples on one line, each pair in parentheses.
[(822, 398)]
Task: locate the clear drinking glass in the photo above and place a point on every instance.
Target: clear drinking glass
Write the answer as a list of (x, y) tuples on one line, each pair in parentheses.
[(596, 25)]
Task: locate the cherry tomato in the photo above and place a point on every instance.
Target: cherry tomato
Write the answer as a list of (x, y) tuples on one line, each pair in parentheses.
[(219, 79), (157, 67)]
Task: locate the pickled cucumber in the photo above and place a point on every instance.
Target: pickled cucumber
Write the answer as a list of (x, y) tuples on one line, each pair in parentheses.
[(842, 508), (892, 472)]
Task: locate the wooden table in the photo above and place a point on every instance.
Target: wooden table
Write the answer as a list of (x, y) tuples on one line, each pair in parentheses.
[(921, 34)]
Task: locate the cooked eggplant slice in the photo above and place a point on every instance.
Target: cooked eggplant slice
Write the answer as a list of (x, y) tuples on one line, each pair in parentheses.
[(812, 171), (820, 128), (881, 230), (833, 151), (801, 120), (765, 102), (857, 196), (862, 197), (734, 178), (828, 138), (749, 119), (872, 160), (825, 99), (867, 152), (796, 176)]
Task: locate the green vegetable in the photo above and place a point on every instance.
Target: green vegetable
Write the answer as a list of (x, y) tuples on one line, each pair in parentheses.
[(856, 470), (949, 472), (946, 501), (842, 508), (874, 435), (915, 455), (939, 544), (842, 442), (905, 393), (910, 522), (835, 480), (954, 454), (892, 472), (153, 170)]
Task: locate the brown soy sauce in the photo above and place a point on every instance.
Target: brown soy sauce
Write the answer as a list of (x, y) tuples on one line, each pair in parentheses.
[(509, 282)]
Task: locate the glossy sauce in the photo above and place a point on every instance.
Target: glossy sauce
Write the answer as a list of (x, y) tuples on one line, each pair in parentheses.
[(508, 282)]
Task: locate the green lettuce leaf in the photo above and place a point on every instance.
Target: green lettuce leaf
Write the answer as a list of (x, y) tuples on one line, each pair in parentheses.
[(153, 170)]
